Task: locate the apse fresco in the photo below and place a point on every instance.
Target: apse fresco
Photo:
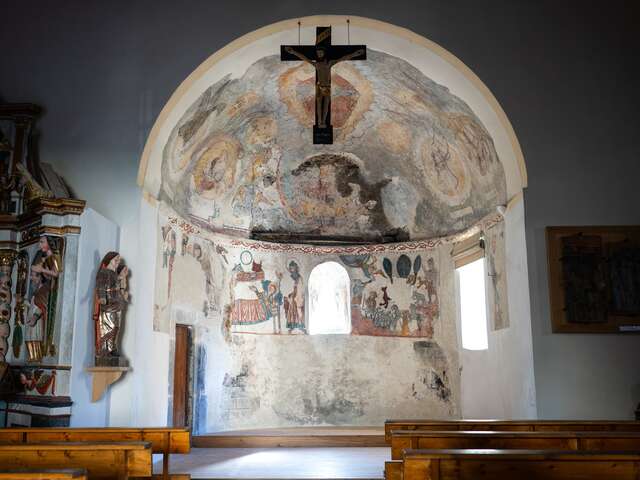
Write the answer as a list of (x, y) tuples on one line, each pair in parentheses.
[(410, 159), (248, 302)]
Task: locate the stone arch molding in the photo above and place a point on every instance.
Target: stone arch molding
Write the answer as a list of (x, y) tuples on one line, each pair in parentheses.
[(432, 60)]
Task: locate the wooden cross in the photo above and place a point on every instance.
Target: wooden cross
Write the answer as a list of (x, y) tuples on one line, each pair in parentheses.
[(322, 56)]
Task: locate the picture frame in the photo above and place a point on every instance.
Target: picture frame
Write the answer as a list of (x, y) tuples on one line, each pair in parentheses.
[(594, 279)]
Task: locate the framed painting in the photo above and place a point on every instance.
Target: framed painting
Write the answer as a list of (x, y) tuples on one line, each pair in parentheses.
[(594, 279)]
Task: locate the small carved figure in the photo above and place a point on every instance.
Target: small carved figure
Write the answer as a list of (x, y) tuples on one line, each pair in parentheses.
[(110, 301)]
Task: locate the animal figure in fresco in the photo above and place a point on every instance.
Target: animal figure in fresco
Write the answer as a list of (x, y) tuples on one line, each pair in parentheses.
[(385, 298), (48, 263)]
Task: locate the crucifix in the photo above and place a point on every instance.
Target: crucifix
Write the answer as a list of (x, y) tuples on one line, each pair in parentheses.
[(322, 56)]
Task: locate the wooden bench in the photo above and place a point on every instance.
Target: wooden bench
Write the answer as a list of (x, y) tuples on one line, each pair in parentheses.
[(79, 474), (425, 439), (519, 464), (163, 440), (511, 425), (105, 460)]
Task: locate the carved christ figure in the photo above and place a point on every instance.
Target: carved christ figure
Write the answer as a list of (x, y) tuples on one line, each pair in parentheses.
[(323, 79)]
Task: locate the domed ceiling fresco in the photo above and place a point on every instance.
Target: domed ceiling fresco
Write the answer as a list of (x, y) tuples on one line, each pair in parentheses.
[(410, 160)]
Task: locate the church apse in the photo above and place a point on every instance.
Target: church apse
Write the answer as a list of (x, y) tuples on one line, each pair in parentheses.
[(411, 171)]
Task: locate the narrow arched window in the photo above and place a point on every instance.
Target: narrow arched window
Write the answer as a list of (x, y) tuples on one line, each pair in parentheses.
[(329, 300)]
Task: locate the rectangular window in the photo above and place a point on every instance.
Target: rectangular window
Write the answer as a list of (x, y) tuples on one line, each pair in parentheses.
[(473, 305)]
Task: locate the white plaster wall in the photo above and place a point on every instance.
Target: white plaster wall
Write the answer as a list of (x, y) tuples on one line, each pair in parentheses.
[(98, 236), (140, 398), (499, 382)]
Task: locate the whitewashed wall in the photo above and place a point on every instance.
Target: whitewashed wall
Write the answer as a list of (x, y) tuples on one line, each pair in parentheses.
[(499, 382)]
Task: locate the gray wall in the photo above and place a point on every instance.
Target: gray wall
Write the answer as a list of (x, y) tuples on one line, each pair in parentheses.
[(566, 75)]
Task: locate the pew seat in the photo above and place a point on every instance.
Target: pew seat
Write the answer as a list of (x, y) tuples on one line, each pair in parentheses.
[(68, 474), (426, 439), (511, 425), (103, 460), (519, 464)]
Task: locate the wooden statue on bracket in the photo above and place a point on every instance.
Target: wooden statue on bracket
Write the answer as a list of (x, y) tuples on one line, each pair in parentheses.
[(110, 301)]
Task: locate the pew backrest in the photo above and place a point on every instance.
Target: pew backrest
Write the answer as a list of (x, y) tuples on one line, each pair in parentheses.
[(63, 474), (162, 440), (511, 425), (106, 460), (579, 441), (519, 464)]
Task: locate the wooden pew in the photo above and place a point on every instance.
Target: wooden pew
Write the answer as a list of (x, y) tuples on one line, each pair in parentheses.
[(511, 425), (78, 474), (164, 440), (104, 460), (431, 440), (519, 464)]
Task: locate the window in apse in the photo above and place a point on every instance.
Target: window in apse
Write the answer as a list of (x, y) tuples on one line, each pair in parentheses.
[(473, 305), (329, 300)]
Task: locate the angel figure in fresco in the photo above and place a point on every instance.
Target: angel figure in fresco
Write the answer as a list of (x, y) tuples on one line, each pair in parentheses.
[(47, 263), (110, 301), (323, 66)]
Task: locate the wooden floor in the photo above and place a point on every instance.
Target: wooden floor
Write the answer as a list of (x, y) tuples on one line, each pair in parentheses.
[(294, 437), (281, 463)]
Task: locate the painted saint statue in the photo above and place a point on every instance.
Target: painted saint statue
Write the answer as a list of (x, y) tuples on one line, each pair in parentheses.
[(110, 301)]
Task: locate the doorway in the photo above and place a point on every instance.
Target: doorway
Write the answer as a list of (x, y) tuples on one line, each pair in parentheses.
[(182, 373)]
